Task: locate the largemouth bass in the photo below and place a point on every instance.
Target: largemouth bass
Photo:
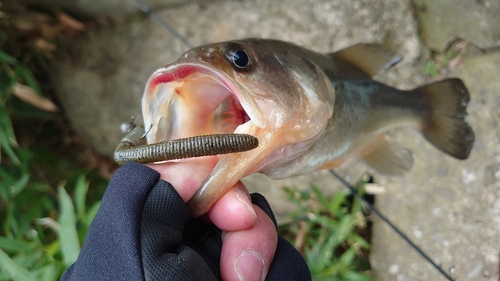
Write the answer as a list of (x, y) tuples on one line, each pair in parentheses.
[(309, 111)]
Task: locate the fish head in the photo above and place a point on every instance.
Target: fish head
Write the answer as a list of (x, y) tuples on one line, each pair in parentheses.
[(264, 88)]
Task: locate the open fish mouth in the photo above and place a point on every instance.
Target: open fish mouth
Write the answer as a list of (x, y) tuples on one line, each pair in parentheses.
[(192, 99)]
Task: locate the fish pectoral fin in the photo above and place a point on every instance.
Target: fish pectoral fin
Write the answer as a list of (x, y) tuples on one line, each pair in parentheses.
[(372, 59), (388, 158)]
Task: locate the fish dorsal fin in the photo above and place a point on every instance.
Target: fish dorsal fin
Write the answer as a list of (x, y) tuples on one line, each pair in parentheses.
[(388, 158), (372, 59)]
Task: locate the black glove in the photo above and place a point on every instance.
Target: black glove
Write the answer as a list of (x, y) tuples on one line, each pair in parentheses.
[(142, 231)]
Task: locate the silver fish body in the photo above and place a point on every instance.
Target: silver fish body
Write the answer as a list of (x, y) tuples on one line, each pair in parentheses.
[(309, 111)]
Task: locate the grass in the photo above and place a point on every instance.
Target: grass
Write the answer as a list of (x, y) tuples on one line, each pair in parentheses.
[(439, 63), (44, 210), (331, 233)]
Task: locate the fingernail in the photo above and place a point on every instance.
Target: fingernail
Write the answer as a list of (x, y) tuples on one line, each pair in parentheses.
[(249, 266), (245, 199)]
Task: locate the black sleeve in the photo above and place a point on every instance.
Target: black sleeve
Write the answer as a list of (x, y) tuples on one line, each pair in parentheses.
[(142, 231)]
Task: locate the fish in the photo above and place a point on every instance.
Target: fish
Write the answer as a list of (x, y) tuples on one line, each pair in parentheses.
[(309, 111)]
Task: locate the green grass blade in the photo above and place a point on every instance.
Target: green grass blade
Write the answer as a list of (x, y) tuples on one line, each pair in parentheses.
[(27, 259), (11, 224), (81, 188), (336, 202), (6, 125), (13, 270), (10, 244), (70, 246), (356, 276), (6, 58), (91, 213), (347, 258), (320, 196), (47, 272), (29, 79), (7, 137), (345, 228), (359, 241), (19, 185)]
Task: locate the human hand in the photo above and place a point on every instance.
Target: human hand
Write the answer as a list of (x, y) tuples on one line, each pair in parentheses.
[(142, 231), (249, 236)]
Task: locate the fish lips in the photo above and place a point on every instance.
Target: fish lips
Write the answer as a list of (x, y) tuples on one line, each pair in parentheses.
[(202, 88)]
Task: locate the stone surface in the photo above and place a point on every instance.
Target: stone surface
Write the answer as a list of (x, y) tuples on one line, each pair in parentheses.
[(450, 208), (441, 21), (102, 8)]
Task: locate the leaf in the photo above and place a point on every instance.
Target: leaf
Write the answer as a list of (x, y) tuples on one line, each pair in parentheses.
[(70, 246), (19, 185), (6, 146), (360, 241), (325, 255), (336, 202), (6, 58), (53, 248), (50, 223), (356, 276), (11, 222), (311, 256), (26, 74), (345, 228), (13, 270), (46, 273), (7, 137), (81, 188), (92, 212), (5, 183), (347, 258), (28, 95), (15, 245), (430, 69), (71, 22), (27, 259), (320, 197), (6, 125)]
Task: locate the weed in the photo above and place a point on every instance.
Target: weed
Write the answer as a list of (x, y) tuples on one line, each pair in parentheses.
[(327, 232), (41, 227)]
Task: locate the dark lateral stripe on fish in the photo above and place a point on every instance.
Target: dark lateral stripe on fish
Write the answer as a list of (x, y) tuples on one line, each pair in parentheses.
[(197, 146)]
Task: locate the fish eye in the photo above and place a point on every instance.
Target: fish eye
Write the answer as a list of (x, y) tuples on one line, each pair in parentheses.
[(238, 57)]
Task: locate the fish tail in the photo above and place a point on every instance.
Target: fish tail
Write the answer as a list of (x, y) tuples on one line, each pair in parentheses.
[(446, 125)]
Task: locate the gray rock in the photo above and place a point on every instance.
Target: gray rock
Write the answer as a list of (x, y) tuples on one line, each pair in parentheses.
[(102, 8), (101, 86), (441, 21)]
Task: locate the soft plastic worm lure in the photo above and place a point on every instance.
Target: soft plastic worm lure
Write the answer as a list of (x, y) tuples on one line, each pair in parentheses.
[(133, 148)]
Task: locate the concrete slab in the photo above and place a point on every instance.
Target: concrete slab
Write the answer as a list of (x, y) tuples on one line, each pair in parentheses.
[(441, 21)]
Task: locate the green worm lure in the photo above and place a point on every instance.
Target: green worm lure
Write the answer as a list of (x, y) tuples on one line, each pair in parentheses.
[(133, 148)]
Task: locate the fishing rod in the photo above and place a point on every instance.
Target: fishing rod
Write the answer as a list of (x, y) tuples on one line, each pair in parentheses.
[(147, 10)]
